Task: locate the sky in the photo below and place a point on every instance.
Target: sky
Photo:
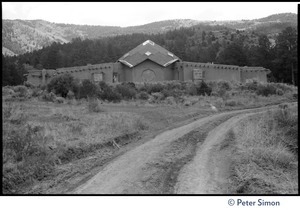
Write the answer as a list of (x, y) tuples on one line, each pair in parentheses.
[(138, 13)]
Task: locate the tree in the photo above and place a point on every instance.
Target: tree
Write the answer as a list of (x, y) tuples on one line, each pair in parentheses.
[(261, 55), (286, 60), (12, 72), (233, 54), (62, 85)]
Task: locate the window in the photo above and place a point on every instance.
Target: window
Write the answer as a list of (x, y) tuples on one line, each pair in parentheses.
[(115, 77), (197, 74), (98, 77)]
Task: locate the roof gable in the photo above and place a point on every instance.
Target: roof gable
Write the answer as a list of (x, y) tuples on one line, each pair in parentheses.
[(148, 50)]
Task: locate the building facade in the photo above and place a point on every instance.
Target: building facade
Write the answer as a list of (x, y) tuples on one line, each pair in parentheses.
[(149, 62)]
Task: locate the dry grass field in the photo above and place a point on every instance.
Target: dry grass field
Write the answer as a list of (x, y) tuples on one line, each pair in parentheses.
[(51, 146), (265, 153)]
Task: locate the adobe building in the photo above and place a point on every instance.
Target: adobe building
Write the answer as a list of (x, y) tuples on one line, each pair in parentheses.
[(149, 62)]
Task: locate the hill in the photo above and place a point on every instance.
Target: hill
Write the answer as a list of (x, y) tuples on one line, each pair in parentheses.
[(21, 36)]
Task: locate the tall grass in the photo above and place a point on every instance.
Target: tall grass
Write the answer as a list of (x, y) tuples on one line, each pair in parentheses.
[(265, 158), (38, 138)]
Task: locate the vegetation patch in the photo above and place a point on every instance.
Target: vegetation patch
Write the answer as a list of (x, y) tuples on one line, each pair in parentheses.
[(265, 154)]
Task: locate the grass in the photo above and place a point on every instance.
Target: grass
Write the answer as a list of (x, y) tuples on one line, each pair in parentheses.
[(94, 106), (265, 154), (40, 138)]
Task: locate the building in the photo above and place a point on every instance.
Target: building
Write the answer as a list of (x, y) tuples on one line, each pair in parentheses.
[(149, 62)]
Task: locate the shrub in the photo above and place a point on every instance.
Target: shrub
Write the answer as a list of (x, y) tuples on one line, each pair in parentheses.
[(152, 88), (266, 90), (87, 89), (62, 84), (36, 92), (7, 91), (283, 87), (29, 84), (251, 84), (59, 100), (279, 92), (129, 84), (127, 91), (43, 87), (70, 95), (175, 85), (108, 93), (203, 89), (158, 96), (141, 124), (48, 96), (21, 91), (93, 106), (14, 114), (225, 85), (233, 103), (26, 156), (143, 95), (171, 92), (191, 89), (170, 100), (295, 95)]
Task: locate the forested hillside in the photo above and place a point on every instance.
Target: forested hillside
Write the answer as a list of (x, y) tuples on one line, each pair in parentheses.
[(21, 36), (216, 44)]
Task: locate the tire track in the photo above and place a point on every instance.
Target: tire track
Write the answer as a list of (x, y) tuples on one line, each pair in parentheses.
[(160, 165)]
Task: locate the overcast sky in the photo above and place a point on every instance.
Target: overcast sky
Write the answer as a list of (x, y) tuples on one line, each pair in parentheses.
[(139, 13)]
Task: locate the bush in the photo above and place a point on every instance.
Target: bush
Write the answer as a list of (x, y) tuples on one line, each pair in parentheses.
[(127, 91), (93, 106), (233, 103), (129, 84), (191, 89), (7, 90), (295, 95), (21, 91), (266, 90), (284, 87), (26, 156), (70, 95), (29, 84), (158, 96), (62, 84), (13, 114), (48, 96), (224, 85), (175, 85), (203, 89), (108, 93), (59, 100), (279, 92), (171, 92), (251, 84), (152, 88), (36, 92), (87, 89), (143, 95)]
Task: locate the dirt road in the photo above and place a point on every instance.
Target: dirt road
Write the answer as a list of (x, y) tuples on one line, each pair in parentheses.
[(181, 160)]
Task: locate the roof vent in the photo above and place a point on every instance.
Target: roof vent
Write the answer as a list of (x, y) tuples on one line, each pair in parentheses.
[(148, 53), (148, 42), (170, 54)]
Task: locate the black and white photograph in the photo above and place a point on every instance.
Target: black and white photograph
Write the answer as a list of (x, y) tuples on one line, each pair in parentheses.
[(151, 98)]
